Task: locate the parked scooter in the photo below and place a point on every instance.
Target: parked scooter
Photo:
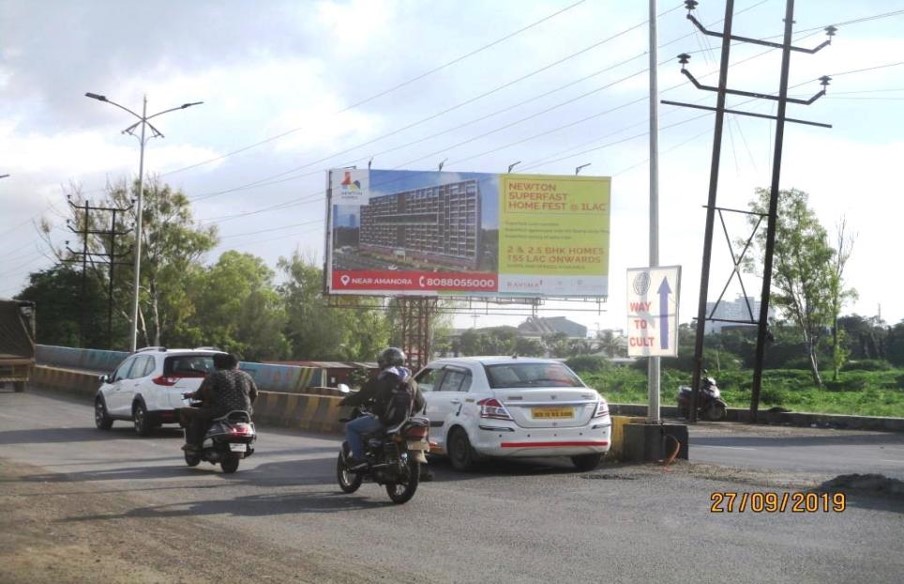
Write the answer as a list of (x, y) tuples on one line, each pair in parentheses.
[(394, 457), (710, 405), (229, 439)]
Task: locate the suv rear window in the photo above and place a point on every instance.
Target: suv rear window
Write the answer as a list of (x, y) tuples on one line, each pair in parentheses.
[(532, 375), (188, 365)]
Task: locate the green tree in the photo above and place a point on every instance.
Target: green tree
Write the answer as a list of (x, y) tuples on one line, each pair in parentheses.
[(173, 246), (529, 347), (864, 338), (610, 344), (839, 295), (803, 268), (239, 309), (557, 344), (65, 316), (316, 331), (895, 342)]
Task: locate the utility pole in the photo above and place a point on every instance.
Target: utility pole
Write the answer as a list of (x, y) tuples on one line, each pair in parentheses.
[(782, 99), (109, 257)]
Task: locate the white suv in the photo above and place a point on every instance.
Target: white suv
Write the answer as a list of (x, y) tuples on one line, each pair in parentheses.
[(513, 407), (147, 386)]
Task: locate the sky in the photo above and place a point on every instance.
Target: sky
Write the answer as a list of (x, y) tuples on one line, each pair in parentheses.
[(292, 88)]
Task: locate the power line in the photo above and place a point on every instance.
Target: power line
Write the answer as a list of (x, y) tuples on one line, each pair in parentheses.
[(387, 91), (453, 108)]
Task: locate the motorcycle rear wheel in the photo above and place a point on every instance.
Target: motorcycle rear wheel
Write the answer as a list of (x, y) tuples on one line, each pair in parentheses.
[(230, 463), (716, 412), (192, 459), (348, 481), (402, 492)]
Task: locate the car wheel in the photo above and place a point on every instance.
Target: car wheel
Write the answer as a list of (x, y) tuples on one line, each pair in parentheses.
[(230, 463), (586, 462), (102, 419), (140, 419), (461, 454)]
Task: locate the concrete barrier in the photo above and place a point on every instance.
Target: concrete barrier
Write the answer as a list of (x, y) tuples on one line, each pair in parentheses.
[(317, 410), (69, 381)]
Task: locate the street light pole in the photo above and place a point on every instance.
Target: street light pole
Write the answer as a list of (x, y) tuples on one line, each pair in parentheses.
[(143, 121), (138, 227)]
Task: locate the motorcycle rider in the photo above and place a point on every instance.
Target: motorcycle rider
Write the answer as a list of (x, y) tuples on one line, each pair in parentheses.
[(378, 389), (222, 391)]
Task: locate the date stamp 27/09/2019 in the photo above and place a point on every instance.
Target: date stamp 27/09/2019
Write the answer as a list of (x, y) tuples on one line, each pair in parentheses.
[(776, 502)]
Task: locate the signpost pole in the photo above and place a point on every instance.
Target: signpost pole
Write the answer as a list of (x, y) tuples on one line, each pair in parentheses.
[(653, 368)]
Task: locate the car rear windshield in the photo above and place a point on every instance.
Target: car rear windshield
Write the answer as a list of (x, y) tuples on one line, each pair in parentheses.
[(188, 365), (532, 375)]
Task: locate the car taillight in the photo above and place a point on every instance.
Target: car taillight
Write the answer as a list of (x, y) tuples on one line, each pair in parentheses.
[(602, 409), (165, 381), (492, 408)]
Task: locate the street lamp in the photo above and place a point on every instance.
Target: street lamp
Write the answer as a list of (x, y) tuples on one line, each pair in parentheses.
[(142, 140)]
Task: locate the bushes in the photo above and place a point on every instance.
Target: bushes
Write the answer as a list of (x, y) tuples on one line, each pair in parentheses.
[(588, 364), (867, 393), (867, 365)]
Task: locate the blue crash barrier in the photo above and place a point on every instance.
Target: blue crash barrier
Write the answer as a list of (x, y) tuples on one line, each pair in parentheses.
[(284, 378)]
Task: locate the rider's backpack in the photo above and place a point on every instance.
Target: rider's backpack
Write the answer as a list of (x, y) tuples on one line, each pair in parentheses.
[(399, 405)]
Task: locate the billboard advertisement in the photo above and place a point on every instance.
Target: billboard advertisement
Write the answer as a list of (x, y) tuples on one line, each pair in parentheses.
[(400, 232)]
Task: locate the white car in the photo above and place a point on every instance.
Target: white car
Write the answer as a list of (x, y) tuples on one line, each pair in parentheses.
[(147, 386), (513, 407)]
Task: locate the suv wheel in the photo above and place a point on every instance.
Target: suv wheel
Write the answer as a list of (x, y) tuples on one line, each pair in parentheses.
[(141, 419), (102, 419)]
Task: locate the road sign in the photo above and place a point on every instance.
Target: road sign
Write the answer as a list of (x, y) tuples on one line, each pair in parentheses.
[(653, 311)]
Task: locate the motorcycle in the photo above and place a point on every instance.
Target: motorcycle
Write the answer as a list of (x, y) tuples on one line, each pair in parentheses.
[(394, 457), (229, 439), (710, 405)]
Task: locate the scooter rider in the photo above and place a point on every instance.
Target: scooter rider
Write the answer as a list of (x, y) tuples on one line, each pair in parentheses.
[(222, 391), (378, 389)]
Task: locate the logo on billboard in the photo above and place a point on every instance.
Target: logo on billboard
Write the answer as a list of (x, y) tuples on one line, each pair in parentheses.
[(350, 186)]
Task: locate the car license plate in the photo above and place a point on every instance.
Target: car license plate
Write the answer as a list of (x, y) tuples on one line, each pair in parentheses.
[(238, 447), (552, 413)]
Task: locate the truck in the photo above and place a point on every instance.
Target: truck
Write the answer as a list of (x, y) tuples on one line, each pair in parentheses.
[(17, 342)]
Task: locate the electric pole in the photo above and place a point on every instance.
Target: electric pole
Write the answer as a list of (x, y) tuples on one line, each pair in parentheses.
[(782, 99), (108, 257)]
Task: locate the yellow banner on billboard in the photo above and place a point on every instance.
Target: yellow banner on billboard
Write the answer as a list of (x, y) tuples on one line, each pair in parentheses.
[(555, 226)]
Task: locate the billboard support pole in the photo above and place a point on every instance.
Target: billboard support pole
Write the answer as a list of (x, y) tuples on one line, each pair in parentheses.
[(417, 314)]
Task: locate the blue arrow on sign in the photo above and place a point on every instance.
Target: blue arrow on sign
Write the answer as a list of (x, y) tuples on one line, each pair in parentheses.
[(664, 292)]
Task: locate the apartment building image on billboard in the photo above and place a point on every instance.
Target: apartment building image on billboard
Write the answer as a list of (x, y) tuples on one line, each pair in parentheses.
[(439, 225)]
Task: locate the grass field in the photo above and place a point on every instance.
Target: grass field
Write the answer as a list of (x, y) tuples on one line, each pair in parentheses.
[(862, 393)]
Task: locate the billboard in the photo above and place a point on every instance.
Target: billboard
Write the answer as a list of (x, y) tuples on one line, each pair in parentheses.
[(400, 232)]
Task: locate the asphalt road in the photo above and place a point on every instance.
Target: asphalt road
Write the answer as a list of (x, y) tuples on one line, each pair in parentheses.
[(535, 521), (816, 450)]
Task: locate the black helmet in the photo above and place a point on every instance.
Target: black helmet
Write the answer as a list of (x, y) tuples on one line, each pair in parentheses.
[(391, 357)]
